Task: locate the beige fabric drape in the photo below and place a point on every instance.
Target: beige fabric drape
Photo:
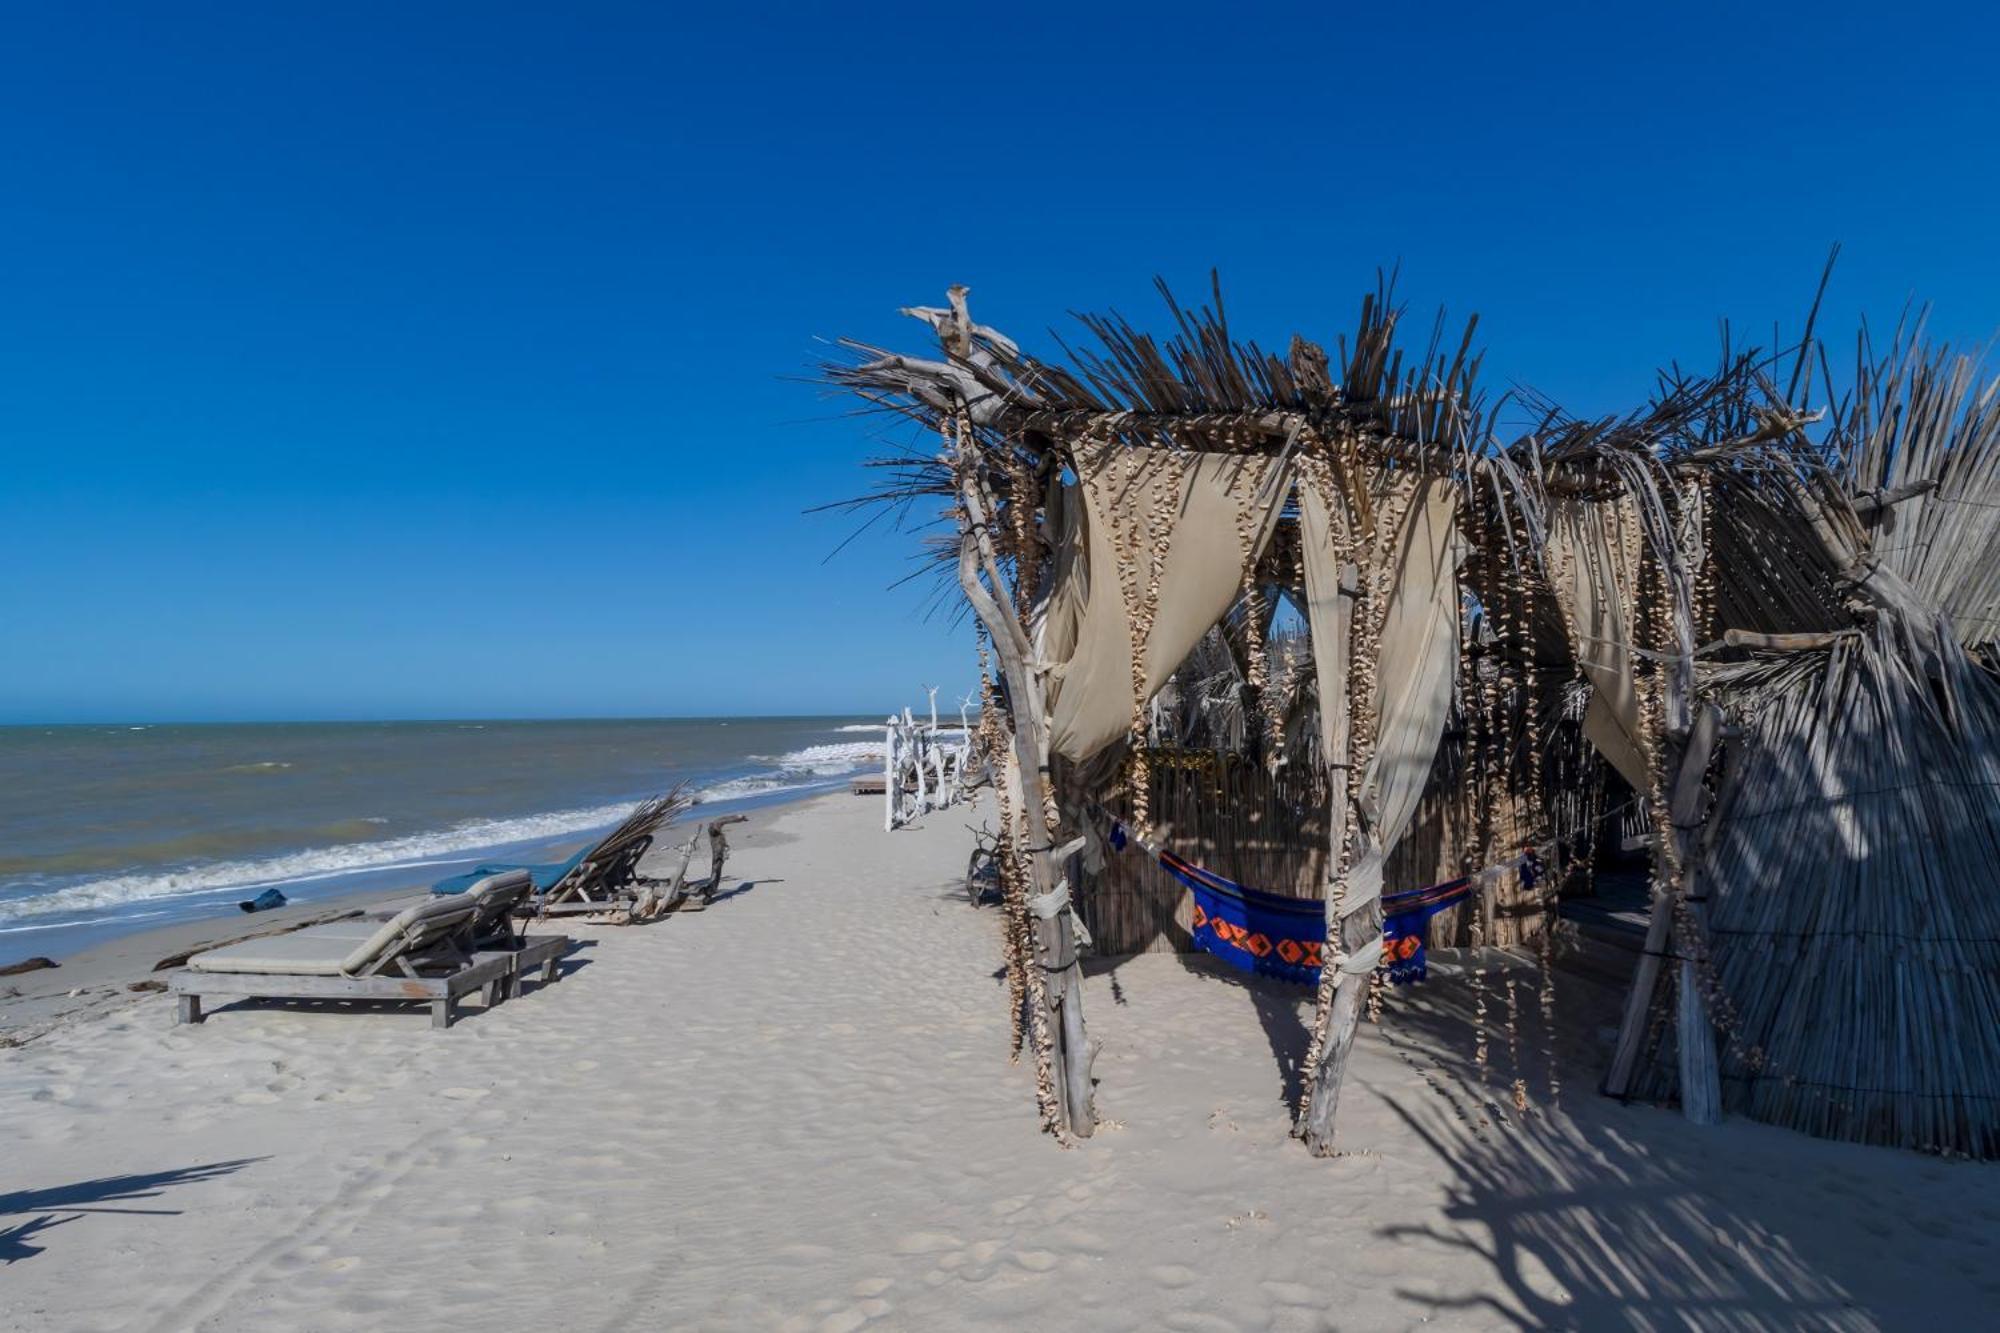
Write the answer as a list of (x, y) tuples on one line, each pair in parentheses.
[(1418, 653), (1593, 565), (1191, 506)]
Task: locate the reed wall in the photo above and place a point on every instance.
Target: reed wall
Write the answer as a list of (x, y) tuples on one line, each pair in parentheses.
[(1230, 815)]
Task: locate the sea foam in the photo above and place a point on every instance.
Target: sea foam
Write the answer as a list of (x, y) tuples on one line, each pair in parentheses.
[(812, 768), (405, 853)]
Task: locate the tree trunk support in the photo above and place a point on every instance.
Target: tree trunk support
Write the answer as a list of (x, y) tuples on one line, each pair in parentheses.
[(1054, 928), (1339, 1012)]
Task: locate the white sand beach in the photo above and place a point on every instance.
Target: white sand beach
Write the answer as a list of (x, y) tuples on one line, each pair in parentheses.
[(795, 1111)]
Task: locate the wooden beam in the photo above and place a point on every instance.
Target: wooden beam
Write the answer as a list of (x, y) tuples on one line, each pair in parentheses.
[(1784, 643), (1698, 1061), (1339, 1011), (1701, 1078), (1868, 504), (1054, 935)]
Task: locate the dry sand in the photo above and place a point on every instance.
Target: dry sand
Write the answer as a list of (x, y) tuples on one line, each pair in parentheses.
[(795, 1111)]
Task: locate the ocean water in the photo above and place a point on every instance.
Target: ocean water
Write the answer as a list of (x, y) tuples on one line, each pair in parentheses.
[(105, 829)]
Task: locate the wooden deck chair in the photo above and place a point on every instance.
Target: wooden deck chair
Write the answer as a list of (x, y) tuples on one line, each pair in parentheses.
[(418, 955), (601, 876), (489, 933)]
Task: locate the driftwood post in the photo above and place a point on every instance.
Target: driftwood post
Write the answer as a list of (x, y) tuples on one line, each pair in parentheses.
[(1701, 1078), (718, 853), (1054, 925), (1694, 1032), (1690, 743), (889, 775), (1339, 1011)]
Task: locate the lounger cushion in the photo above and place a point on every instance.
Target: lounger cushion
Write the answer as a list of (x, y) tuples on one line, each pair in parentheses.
[(302, 953), (546, 877), (333, 949)]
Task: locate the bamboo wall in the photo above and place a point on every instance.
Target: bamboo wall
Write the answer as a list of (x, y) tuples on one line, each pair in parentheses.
[(1229, 815)]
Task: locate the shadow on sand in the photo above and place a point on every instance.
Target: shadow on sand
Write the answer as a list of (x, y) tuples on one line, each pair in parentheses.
[(95, 1196)]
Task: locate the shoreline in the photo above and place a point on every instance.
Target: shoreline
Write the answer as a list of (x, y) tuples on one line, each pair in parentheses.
[(320, 891), (35, 1003)]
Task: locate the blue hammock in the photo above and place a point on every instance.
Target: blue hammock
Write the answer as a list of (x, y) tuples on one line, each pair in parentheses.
[(1272, 935)]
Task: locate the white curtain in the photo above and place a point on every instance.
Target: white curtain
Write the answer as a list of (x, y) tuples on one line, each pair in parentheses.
[(1593, 565), (1420, 549), (1195, 508)]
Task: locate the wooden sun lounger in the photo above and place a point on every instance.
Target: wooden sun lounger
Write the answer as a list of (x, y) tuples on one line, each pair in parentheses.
[(489, 932), (602, 876), (442, 993), (416, 956)]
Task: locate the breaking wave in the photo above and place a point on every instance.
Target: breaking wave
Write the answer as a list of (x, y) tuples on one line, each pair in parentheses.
[(814, 768), (405, 853)]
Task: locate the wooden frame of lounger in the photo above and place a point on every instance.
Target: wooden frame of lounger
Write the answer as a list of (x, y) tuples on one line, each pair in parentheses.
[(424, 936), (488, 932), (442, 993), (496, 900)]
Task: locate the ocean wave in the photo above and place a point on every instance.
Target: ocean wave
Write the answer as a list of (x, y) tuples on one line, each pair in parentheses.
[(405, 853), (761, 784), (798, 770), (826, 760)]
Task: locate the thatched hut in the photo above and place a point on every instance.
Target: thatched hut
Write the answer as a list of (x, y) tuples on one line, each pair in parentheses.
[(1304, 628)]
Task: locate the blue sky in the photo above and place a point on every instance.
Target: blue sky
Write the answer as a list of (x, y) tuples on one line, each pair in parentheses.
[(431, 360)]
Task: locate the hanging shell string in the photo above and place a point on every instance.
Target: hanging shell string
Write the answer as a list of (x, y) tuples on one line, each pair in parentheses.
[(1314, 471), (993, 741), (1482, 712), (1371, 615), (1143, 535), (1030, 992), (1244, 486)]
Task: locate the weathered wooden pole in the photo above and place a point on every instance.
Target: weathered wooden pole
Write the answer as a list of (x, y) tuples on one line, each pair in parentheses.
[(1349, 927), (1701, 1077), (889, 775), (1053, 924)]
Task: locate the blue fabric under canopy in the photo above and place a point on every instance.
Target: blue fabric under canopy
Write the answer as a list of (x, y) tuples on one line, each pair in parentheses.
[(1274, 935), (546, 877)]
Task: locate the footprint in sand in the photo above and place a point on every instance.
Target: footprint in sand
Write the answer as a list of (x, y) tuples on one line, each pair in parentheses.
[(1293, 1293), (926, 1242), (1036, 1261), (873, 1286), (584, 1066), (1173, 1276), (464, 1094), (1193, 1321), (254, 1098), (346, 1096), (340, 1265)]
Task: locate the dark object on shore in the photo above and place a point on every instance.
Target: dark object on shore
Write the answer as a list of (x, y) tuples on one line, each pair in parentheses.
[(264, 901), (27, 965), (149, 984)]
